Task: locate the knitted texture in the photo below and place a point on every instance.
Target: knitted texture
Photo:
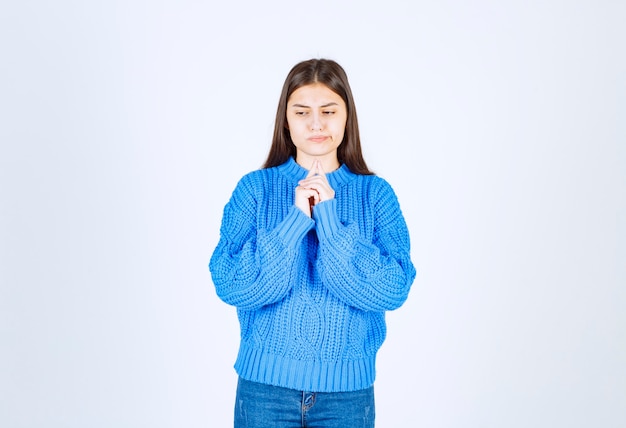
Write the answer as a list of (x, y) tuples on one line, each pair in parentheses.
[(311, 293)]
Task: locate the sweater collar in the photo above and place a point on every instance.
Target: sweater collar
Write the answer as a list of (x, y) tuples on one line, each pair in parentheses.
[(295, 172)]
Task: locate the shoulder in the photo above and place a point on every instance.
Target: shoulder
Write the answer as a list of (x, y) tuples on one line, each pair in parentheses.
[(253, 183), (245, 187), (256, 177), (376, 185)]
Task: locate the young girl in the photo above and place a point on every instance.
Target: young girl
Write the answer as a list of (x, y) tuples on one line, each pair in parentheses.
[(313, 250)]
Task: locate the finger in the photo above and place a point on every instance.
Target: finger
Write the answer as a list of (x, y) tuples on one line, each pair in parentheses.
[(307, 192), (313, 170), (319, 168)]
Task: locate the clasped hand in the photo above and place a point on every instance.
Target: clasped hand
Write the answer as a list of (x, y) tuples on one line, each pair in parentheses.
[(313, 189)]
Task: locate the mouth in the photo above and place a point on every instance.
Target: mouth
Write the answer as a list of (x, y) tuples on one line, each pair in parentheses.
[(318, 138)]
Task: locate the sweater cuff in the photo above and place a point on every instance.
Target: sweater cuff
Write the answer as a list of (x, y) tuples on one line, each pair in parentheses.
[(294, 226), (326, 219)]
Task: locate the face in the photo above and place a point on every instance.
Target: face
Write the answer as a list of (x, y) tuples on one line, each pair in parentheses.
[(316, 117)]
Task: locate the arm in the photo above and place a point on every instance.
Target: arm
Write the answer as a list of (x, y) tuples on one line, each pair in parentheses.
[(371, 275), (252, 268)]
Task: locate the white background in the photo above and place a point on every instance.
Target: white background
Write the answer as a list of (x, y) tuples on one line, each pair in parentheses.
[(125, 126)]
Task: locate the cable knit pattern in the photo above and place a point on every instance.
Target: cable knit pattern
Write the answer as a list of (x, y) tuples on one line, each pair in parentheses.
[(311, 293)]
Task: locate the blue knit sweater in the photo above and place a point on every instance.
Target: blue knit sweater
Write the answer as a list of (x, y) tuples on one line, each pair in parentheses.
[(311, 293)]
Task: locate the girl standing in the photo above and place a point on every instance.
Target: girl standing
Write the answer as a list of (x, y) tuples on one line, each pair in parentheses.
[(313, 251)]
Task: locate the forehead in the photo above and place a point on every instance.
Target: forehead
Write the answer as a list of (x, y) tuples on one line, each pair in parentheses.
[(314, 94)]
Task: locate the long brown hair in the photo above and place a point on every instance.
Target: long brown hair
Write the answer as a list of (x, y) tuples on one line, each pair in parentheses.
[(331, 74)]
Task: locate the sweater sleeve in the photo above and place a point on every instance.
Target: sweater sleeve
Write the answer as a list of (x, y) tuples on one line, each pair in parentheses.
[(371, 275), (252, 268)]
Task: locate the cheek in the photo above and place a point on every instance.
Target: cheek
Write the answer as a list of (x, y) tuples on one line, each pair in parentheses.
[(289, 125), (340, 130), (339, 137), (295, 131)]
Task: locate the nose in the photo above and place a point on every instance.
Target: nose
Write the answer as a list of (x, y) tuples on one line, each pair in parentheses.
[(316, 122)]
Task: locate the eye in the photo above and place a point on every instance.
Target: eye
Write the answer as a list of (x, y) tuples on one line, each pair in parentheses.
[(300, 113), (328, 112)]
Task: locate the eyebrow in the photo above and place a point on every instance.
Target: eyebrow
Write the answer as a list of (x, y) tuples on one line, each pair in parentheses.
[(324, 106)]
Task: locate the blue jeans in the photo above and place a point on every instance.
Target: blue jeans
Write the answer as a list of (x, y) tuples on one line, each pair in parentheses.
[(265, 406)]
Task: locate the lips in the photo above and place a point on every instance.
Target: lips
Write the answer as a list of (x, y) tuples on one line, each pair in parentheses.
[(318, 138)]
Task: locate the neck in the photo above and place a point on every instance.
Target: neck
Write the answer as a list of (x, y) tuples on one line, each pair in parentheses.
[(329, 163)]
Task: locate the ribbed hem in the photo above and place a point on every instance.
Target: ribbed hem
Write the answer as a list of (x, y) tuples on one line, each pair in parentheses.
[(294, 226), (292, 170), (326, 220), (314, 376)]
